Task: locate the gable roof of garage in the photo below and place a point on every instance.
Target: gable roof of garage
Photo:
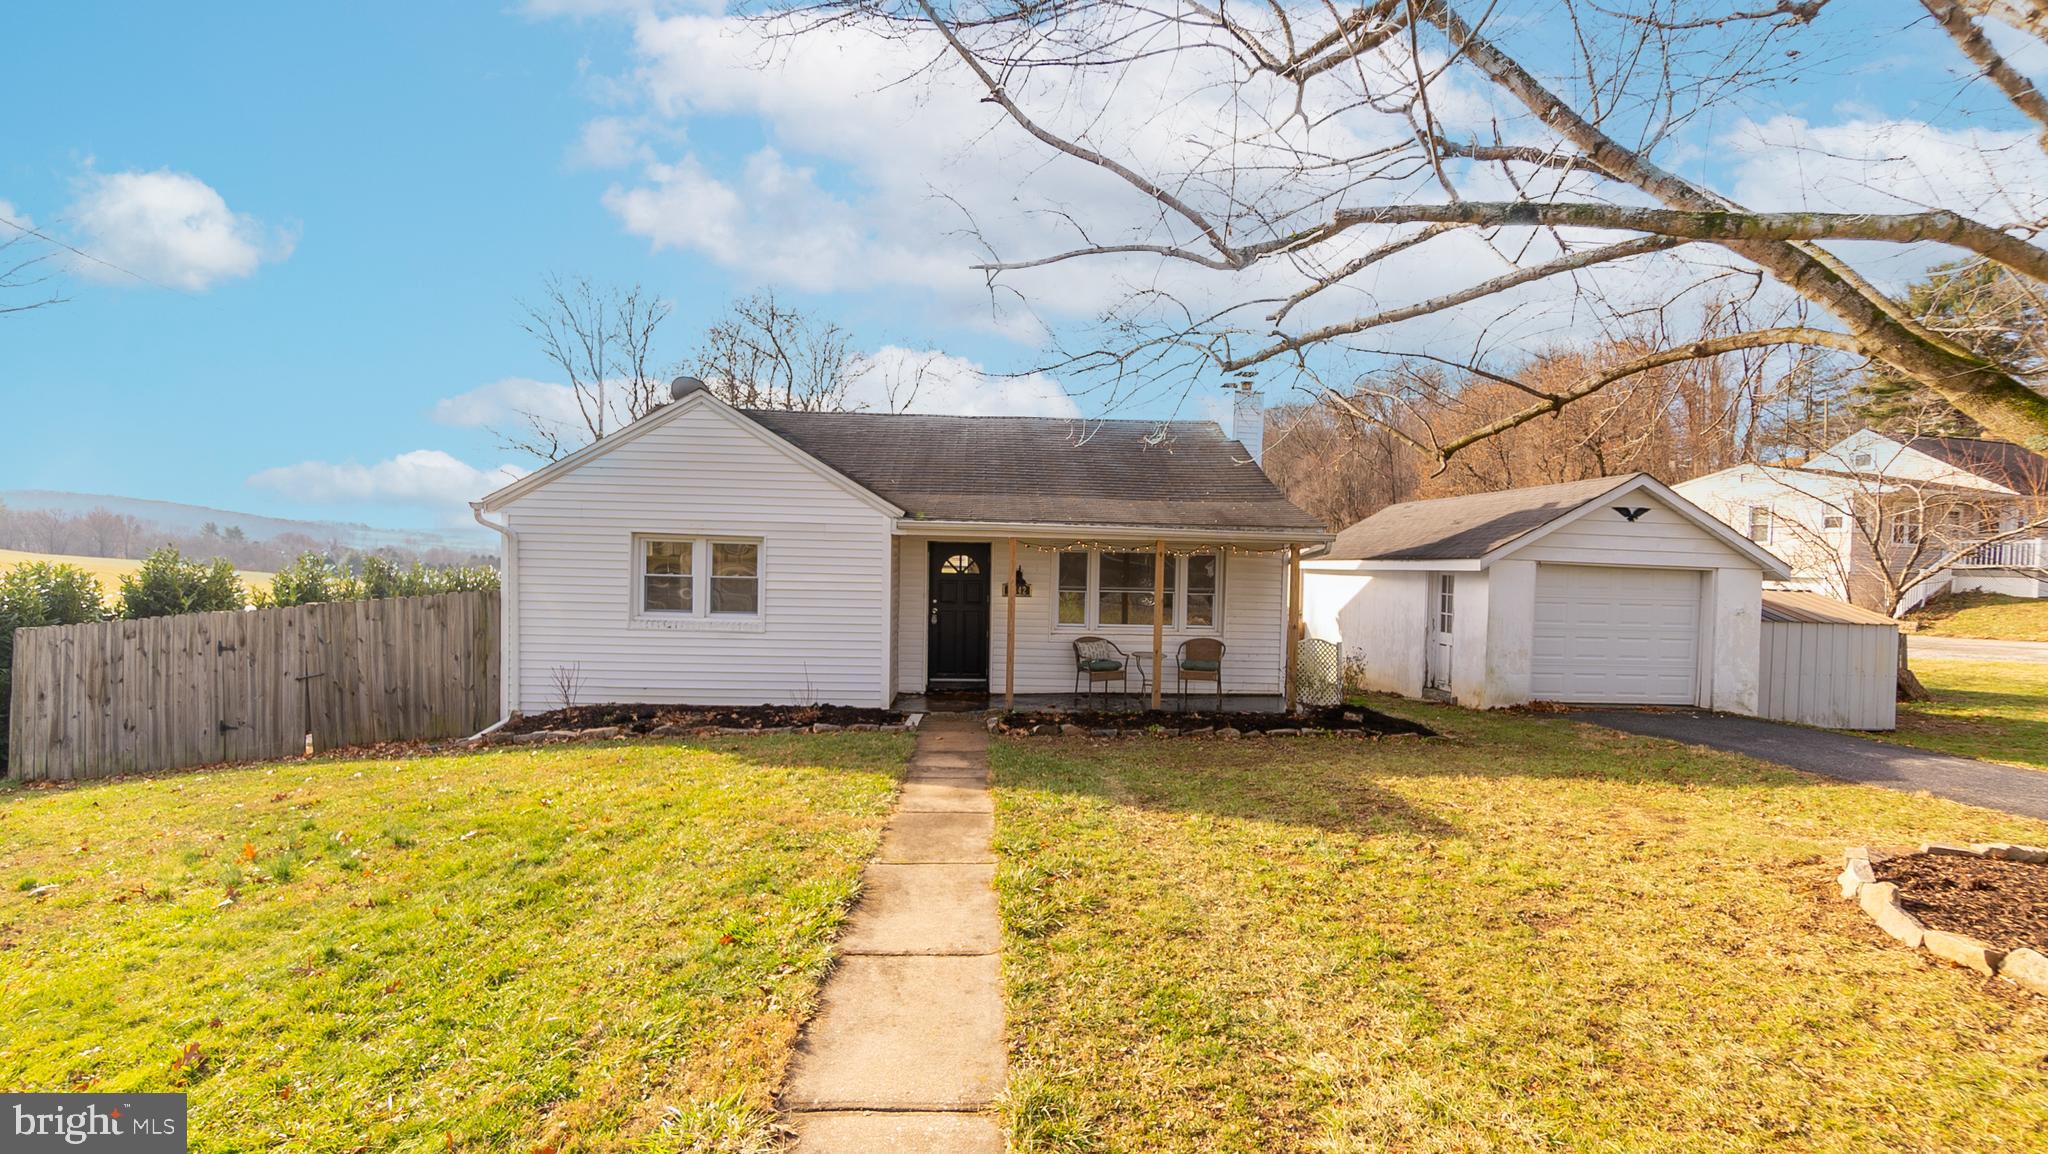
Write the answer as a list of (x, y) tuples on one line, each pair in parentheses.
[(1480, 527)]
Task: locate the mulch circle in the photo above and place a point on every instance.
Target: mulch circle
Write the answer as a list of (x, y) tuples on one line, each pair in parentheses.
[(1335, 719), (2003, 904), (645, 718)]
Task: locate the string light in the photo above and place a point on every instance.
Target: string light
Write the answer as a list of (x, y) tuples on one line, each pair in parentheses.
[(1141, 547)]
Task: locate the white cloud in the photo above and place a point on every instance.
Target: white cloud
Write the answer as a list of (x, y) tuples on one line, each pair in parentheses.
[(20, 219), (507, 402), (423, 477), (913, 381), (1866, 164), (171, 228), (610, 142)]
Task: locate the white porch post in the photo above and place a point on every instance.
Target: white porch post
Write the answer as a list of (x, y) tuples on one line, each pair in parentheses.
[(1010, 630), (1291, 633), (1158, 617)]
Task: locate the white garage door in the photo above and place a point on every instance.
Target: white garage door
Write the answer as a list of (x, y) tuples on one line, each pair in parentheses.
[(1616, 635)]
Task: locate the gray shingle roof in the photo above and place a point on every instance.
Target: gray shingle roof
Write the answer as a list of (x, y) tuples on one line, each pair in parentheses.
[(2000, 462), (1176, 475), (1464, 528)]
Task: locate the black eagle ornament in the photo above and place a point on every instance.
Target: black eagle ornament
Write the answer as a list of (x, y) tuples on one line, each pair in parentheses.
[(1630, 515)]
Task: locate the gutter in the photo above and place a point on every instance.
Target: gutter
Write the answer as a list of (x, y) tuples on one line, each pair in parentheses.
[(507, 640)]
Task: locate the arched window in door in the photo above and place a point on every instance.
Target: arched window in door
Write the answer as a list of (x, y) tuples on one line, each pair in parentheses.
[(960, 563)]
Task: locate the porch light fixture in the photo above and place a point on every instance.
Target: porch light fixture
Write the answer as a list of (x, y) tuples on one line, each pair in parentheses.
[(1022, 586)]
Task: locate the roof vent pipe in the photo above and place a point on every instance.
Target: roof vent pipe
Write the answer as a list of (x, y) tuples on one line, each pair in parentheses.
[(1248, 420), (683, 386)]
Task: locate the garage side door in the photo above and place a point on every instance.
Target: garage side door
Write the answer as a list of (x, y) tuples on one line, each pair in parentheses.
[(1628, 636)]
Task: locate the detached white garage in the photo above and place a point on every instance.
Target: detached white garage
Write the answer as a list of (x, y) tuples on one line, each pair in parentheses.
[(1609, 591)]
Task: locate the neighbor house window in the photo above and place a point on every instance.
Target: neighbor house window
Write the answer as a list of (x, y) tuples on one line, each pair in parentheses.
[(697, 577), (1859, 460), (735, 577), (1906, 527), (1115, 587), (1760, 524), (665, 576), (1073, 588), (1831, 519)]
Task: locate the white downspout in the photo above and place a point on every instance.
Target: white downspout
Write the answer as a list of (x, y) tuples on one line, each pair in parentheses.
[(508, 645)]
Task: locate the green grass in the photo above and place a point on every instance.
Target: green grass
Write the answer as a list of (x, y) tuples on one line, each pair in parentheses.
[(1994, 710), (1992, 615), (585, 947), (1531, 935)]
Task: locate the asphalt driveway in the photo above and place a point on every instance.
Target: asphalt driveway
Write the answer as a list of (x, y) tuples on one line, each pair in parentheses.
[(1975, 649), (1837, 755)]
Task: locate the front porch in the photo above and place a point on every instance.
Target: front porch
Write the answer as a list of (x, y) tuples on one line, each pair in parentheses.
[(987, 621)]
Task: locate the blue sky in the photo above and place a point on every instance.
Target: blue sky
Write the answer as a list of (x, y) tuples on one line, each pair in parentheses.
[(392, 179)]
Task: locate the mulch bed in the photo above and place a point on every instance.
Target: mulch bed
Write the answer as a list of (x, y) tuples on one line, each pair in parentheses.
[(646, 718), (2003, 904), (1334, 719)]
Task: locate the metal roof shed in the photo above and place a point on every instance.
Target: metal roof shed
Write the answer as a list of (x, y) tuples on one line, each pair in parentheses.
[(1827, 663)]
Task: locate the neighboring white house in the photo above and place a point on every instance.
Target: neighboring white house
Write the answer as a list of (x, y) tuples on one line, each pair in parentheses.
[(1873, 519), (1612, 590), (710, 555)]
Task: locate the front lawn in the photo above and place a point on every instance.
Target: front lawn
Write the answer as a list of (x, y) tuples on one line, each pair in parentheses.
[(1531, 935), (578, 947), (1997, 711), (1991, 615)]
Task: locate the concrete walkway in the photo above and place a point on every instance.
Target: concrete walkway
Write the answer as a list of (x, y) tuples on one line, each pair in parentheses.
[(1974, 649), (906, 1051), (1838, 755)]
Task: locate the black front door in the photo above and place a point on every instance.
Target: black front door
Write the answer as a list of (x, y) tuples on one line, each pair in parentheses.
[(957, 649)]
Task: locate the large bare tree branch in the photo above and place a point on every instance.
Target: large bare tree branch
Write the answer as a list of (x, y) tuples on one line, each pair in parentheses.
[(1972, 43)]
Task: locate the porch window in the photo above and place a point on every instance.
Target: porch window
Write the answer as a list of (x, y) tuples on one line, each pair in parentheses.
[(1906, 527), (665, 576), (1201, 586), (735, 577), (1073, 588), (1114, 587), (1125, 589)]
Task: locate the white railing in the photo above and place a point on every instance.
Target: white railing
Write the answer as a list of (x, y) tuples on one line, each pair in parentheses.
[(2016, 554)]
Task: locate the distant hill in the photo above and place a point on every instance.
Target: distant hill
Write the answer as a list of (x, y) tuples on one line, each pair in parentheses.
[(182, 518)]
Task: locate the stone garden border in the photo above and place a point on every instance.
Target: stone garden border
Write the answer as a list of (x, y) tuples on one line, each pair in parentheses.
[(2023, 967), (1225, 733), (609, 732)]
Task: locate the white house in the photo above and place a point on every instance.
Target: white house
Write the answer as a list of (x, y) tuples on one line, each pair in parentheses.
[(710, 555), (1611, 590), (1878, 520)]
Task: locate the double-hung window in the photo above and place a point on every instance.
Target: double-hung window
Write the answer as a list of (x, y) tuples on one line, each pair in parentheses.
[(692, 577), (1760, 524), (1101, 588)]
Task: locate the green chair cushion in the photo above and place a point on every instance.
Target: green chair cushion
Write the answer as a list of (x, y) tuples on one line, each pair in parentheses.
[(1101, 664), (1194, 665)]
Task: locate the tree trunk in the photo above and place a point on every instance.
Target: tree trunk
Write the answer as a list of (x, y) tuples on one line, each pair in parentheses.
[(1910, 688)]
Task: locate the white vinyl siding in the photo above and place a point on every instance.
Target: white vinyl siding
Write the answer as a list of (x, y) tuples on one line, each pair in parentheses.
[(1254, 588), (1614, 634), (809, 623)]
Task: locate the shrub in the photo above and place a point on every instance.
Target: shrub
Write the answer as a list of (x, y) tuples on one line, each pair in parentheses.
[(168, 583), (39, 593), (310, 580)]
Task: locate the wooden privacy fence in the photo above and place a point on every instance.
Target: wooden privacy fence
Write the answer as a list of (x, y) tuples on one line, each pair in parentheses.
[(158, 693)]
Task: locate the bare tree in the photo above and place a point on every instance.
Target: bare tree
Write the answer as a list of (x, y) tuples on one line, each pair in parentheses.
[(764, 354), (602, 340), (1323, 145), (24, 271)]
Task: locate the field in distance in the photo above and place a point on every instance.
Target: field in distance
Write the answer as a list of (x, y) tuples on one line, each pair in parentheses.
[(109, 570)]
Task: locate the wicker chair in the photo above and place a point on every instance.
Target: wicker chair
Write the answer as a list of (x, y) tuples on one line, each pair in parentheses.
[(1100, 661), (1199, 659)]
